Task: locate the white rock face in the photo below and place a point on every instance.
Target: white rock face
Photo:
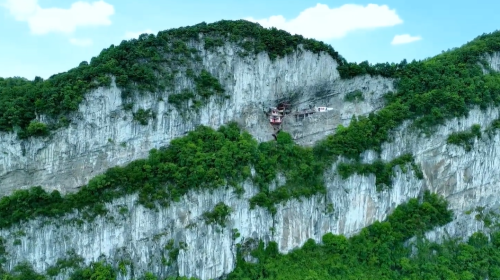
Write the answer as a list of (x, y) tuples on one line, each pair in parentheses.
[(132, 233), (494, 61), (317, 126)]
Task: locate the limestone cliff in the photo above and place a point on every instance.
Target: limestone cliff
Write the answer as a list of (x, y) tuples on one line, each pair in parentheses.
[(103, 135), (466, 179), (133, 234)]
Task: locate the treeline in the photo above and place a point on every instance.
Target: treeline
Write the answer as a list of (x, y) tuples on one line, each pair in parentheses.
[(252, 37), (470, 53), (95, 271)]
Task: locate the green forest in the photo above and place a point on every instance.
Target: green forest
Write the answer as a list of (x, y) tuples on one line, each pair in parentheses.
[(429, 92)]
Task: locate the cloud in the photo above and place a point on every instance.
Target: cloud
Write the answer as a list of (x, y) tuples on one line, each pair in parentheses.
[(135, 35), (404, 39), (323, 23), (21, 9), (81, 42), (45, 20)]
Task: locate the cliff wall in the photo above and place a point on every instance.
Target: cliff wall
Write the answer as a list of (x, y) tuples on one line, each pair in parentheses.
[(102, 134), (132, 234)]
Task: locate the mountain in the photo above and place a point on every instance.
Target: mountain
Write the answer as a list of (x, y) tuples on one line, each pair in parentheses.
[(157, 156)]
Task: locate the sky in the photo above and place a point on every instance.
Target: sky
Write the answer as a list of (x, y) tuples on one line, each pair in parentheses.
[(46, 37)]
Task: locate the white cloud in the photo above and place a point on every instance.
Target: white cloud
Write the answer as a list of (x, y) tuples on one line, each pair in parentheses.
[(404, 39), (323, 23), (135, 35), (21, 9), (45, 20), (81, 42)]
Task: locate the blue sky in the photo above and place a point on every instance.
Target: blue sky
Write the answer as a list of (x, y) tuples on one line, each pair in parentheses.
[(45, 37)]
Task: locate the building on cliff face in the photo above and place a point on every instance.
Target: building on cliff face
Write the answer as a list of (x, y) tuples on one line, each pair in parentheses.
[(74, 154)]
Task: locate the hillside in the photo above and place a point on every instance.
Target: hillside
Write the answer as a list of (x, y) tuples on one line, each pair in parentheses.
[(148, 64), (156, 155)]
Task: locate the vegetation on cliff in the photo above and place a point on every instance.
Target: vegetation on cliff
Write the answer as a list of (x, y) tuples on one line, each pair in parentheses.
[(384, 171), (148, 64), (465, 139)]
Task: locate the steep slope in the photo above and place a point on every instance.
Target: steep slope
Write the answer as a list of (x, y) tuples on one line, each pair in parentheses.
[(370, 164)]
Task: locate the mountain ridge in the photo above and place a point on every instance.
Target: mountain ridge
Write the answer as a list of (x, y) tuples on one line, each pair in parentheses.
[(366, 171)]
